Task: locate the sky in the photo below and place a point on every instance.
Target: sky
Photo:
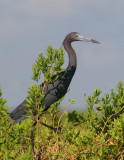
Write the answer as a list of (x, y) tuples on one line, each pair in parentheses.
[(27, 27)]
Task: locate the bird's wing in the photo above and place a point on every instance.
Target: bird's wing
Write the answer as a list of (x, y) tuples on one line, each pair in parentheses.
[(20, 112)]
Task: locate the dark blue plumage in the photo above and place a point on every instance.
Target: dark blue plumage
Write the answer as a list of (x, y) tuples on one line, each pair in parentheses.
[(56, 90)]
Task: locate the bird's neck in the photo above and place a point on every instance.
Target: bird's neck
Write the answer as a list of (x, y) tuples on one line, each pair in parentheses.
[(71, 54)]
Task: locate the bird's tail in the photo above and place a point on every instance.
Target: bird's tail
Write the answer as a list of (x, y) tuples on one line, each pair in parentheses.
[(19, 113)]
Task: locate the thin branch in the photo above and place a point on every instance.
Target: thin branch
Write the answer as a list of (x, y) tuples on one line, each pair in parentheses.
[(59, 127), (110, 118)]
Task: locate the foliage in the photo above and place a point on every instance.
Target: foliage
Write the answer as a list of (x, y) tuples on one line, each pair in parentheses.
[(95, 134)]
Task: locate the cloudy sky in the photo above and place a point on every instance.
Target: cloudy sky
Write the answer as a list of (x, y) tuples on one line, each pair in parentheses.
[(27, 27)]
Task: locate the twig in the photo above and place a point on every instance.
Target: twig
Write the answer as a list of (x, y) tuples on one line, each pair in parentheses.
[(32, 137), (59, 127), (110, 117), (122, 154), (37, 133)]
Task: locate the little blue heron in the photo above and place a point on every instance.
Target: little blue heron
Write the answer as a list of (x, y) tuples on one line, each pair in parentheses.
[(56, 90)]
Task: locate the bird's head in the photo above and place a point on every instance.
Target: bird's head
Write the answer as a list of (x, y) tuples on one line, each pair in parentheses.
[(75, 36)]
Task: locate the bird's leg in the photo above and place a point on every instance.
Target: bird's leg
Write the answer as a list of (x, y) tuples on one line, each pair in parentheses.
[(32, 130), (54, 129)]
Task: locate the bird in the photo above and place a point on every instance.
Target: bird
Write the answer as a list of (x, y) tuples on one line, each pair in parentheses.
[(57, 89)]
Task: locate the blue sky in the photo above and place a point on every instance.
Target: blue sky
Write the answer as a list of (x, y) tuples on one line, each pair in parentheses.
[(27, 27)]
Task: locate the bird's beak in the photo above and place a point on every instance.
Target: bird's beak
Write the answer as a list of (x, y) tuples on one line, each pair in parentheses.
[(90, 40)]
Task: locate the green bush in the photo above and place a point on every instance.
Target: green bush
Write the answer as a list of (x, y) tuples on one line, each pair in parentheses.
[(95, 134)]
